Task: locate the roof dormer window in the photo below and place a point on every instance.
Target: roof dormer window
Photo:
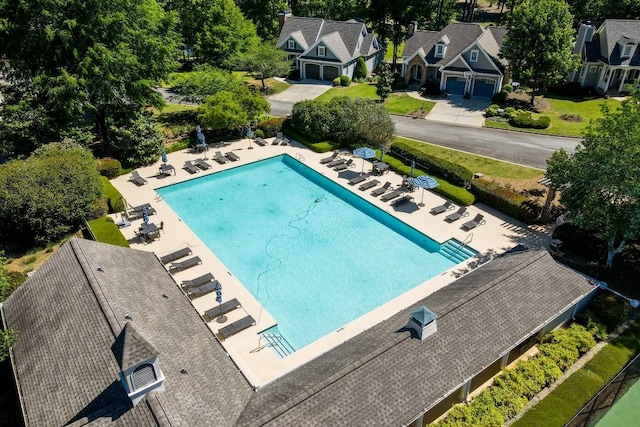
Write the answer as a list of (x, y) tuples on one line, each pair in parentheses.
[(474, 55), (626, 50), (440, 50), (291, 44), (321, 51)]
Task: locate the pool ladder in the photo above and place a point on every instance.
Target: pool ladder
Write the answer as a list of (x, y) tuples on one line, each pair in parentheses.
[(299, 157), (279, 344)]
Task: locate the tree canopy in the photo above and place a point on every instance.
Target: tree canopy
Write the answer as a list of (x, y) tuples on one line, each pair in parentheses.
[(601, 181), (71, 63), (264, 14), (385, 79), (45, 197), (263, 61), (539, 43), (232, 110), (202, 82)]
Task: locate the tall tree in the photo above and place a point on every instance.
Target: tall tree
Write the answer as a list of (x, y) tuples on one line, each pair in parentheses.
[(232, 110), (601, 180), (202, 82), (263, 61), (264, 14), (385, 80), (539, 43), (98, 56)]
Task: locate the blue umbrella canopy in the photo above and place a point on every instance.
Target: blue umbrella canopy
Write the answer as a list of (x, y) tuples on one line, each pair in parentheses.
[(424, 181), (164, 156), (249, 131), (218, 290), (364, 153), (145, 215), (200, 136)]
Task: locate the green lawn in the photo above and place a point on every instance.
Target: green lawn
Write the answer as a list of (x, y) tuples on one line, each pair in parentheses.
[(173, 108), (475, 163), (388, 55), (114, 196), (398, 103), (106, 231), (570, 396), (273, 86), (588, 110)]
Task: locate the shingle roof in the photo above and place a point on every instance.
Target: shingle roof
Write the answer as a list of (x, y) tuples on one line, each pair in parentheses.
[(69, 314), (384, 377), (131, 348), (613, 30)]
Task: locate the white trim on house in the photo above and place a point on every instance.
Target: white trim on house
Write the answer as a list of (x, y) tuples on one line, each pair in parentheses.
[(321, 64), (473, 56)]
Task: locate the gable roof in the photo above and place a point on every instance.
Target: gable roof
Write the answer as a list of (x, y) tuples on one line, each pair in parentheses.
[(69, 314), (610, 33), (385, 377), (341, 37)]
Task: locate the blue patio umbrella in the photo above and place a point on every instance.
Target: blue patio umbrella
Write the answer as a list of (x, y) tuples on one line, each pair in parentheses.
[(364, 153), (164, 156), (249, 131), (381, 152), (424, 181), (145, 215), (218, 289)]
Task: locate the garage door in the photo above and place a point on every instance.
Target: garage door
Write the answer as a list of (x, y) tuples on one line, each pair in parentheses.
[(329, 73), (312, 71), (455, 85), (484, 88)]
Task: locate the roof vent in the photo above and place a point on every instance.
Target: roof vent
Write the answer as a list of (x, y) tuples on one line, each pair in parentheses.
[(423, 321)]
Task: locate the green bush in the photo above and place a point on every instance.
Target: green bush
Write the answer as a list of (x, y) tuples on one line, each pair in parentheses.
[(509, 401), (455, 174), (500, 97), (271, 126), (109, 167), (259, 133), (336, 81), (550, 368), (360, 71), (507, 88), (610, 310), (345, 81), (492, 110), (503, 199), (399, 84), (509, 112), (317, 146), (523, 119), (575, 336), (594, 325)]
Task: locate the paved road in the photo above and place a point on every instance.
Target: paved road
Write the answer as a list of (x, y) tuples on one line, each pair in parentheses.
[(518, 147)]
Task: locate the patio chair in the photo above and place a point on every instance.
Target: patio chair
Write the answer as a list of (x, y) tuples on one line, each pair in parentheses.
[(198, 281), (329, 159), (381, 190), (461, 212), (180, 253), (137, 179), (199, 291), (442, 208), (277, 140), (336, 162), (220, 158), (368, 185), (261, 142), (179, 266), (235, 327), (358, 179), (190, 167), (202, 164), (469, 225), (137, 214), (285, 141), (221, 309), (343, 166), (391, 195), (404, 199), (232, 156)]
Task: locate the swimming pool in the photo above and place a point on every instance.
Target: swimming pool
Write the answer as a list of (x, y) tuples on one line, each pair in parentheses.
[(314, 254)]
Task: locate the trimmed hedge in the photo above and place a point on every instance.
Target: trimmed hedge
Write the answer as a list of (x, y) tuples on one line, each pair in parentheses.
[(345, 80), (511, 391), (523, 119), (271, 126), (109, 167), (504, 199), (317, 146)]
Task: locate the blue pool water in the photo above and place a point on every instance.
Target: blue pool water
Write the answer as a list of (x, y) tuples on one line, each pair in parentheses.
[(312, 253)]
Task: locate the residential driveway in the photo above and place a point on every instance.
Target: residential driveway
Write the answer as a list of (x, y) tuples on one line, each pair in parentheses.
[(299, 91), (457, 110)]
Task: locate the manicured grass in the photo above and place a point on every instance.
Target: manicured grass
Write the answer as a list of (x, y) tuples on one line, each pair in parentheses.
[(173, 108), (475, 163), (273, 86), (570, 396), (397, 103), (106, 231), (588, 110), (114, 196)]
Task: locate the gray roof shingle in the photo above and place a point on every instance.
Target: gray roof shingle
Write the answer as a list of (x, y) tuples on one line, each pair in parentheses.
[(614, 30), (384, 377), (66, 314), (131, 348)]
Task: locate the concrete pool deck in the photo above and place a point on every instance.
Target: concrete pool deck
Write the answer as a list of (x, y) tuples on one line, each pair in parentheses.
[(259, 364)]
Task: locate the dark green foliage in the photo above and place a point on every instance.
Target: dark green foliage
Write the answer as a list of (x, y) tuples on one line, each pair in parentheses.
[(7, 339), (503, 199), (610, 309), (524, 120), (594, 325), (264, 14), (455, 174), (135, 139), (271, 126), (109, 167), (360, 71), (202, 82), (499, 97), (46, 196), (385, 80), (345, 80), (336, 81)]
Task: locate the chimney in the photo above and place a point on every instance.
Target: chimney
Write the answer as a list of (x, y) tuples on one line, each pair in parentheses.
[(413, 26), (585, 35), (423, 321), (283, 15)]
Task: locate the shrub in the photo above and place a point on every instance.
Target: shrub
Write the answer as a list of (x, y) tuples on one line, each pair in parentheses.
[(492, 110), (454, 173), (509, 112), (507, 88), (550, 368), (259, 133), (109, 167), (561, 356), (499, 98), (523, 119), (503, 199), (360, 71), (399, 84), (345, 80), (336, 81), (593, 324), (271, 126), (610, 309)]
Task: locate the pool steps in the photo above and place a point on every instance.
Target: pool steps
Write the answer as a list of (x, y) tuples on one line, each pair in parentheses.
[(455, 251)]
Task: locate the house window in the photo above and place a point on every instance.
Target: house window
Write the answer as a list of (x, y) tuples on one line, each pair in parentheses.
[(439, 50), (291, 44), (474, 56), (143, 375), (321, 51), (593, 69), (626, 52)]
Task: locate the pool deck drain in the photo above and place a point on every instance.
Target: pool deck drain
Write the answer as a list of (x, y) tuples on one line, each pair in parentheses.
[(260, 365)]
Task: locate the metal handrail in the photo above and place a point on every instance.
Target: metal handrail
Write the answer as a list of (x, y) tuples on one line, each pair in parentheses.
[(464, 242)]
